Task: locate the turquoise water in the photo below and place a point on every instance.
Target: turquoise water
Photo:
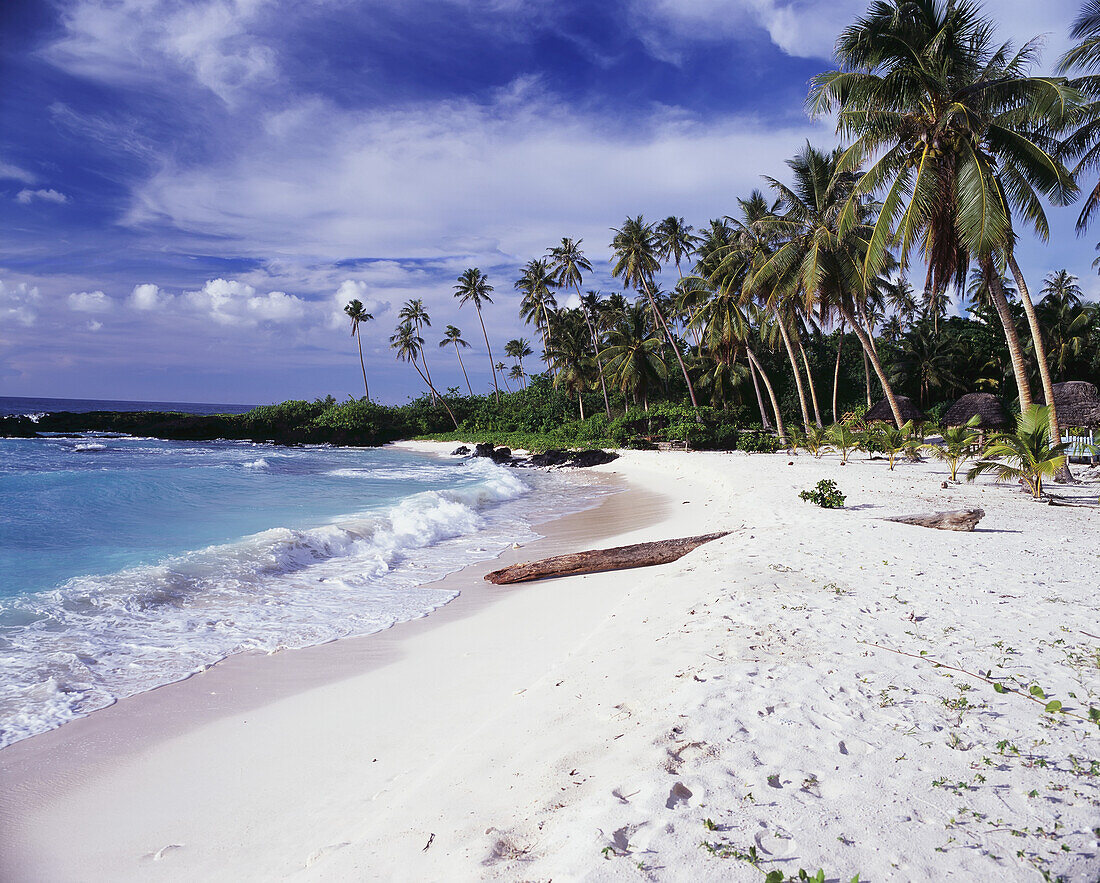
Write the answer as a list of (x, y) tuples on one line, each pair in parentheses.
[(126, 563)]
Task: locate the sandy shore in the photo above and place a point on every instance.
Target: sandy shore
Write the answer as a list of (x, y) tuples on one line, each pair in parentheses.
[(606, 726)]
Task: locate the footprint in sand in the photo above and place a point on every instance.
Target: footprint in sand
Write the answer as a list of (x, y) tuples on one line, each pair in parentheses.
[(319, 854), (777, 841), (679, 794)]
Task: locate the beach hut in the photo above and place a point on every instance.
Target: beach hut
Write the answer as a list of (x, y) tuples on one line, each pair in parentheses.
[(909, 411), (1078, 406), (986, 406)]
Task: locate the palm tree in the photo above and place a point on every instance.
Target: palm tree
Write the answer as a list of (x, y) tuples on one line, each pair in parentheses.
[(567, 262), (410, 347), (519, 349), (960, 443), (358, 314), (516, 373), (413, 312), (473, 287), (675, 241), (635, 247), (500, 367), (570, 353), (964, 137), (538, 301), (927, 361), (1084, 143), (821, 258), (1066, 323), (452, 336), (633, 355), (1025, 454)]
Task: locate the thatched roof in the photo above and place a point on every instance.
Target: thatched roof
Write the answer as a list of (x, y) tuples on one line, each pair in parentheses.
[(1078, 403), (909, 411), (981, 404)]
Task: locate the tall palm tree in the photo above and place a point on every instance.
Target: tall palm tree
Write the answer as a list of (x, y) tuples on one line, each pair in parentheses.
[(633, 354), (410, 347), (538, 303), (500, 367), (358, 315), (927, 360), (516, 373), (568, 264), (1083, 144), (820, 258), (675, 241), (965, 143), (413, 312), (453, 337), (635, 248), (1065, 322), (473, 287), (570, 353), (518, 348)]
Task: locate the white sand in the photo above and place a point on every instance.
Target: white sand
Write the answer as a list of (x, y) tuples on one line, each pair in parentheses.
[(587, 727)]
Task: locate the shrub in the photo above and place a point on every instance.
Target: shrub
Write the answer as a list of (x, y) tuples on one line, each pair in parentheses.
[(826, 494)]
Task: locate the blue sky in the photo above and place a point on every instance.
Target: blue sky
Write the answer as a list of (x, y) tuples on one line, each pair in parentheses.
[(190, 190)]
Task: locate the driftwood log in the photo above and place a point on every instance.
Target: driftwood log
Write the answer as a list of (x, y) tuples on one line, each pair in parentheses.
[(957, 519), (619, 558)]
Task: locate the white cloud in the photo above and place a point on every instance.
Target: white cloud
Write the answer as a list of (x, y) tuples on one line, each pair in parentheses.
[(26, 196), (94, 325), (148, 296), (90, 302), (231, 302), (14, 173), (18, 304)]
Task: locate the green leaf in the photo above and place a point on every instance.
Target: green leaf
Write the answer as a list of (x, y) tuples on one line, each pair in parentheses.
[(1037, 692), (1054, 706), (774, 877), (999, 688)]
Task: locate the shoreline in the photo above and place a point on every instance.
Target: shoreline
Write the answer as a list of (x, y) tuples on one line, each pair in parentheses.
[(603, 726)]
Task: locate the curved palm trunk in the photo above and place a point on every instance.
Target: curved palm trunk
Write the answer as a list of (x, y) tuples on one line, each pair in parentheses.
[(836, 371), (675, 349), (458, 353), (427, 371), (359, 340), (759, 399), (580, 402), (522, 373), (1012, 337), (439, 398), (779, 427), (869, 351), (794, 367), (492, 366), (866, 376), (1063, 474), (809, 378)]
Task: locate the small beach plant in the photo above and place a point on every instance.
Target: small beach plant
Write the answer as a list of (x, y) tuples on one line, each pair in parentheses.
[(816, 441), (825, 494), (890, 440), (1026, 454), (843, 439), (795, 439), (960, 443)]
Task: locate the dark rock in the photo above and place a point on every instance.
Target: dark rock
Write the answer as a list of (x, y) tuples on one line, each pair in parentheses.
[(502, 455), (594, 457), (552, 457), (460, 451), (483, 450)]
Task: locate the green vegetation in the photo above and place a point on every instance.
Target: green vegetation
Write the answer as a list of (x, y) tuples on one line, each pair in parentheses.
[(825, 494)]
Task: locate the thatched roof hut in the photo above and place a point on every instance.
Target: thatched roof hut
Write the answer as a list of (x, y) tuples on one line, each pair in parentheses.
[(977, 404), (909, 411), (1078, 403)]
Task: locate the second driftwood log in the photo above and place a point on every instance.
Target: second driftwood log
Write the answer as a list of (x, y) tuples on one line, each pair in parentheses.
[(618, 558), (956, 519)]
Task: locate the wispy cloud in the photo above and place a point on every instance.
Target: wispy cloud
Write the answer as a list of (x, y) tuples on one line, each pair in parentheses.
[(27, 196), (14, 173), (90, 302)]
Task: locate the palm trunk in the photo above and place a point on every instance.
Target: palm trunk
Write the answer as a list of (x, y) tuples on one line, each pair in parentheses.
[(869, 351), (809, 379), (427, 371), (1012, 337), (489, 349), (1063, 474), (767, 424), (359, 340), (779, 427), (437, 395), (866, 374), (458, 353), (580, 402), (675, 349), (836, 372), (794, 367)]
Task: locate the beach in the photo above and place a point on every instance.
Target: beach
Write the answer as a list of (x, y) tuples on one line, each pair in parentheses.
[(746, 709)]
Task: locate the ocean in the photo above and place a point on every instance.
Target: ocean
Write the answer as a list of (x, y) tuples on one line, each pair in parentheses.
[(127, 563), (19, 405)]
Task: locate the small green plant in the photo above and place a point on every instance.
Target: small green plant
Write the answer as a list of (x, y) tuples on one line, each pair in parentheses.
[(841, 437), (1026, 454), (826, 495), (816, 441), (960, 443)]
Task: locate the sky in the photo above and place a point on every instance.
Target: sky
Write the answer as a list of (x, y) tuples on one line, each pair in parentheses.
[(191, 190)]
